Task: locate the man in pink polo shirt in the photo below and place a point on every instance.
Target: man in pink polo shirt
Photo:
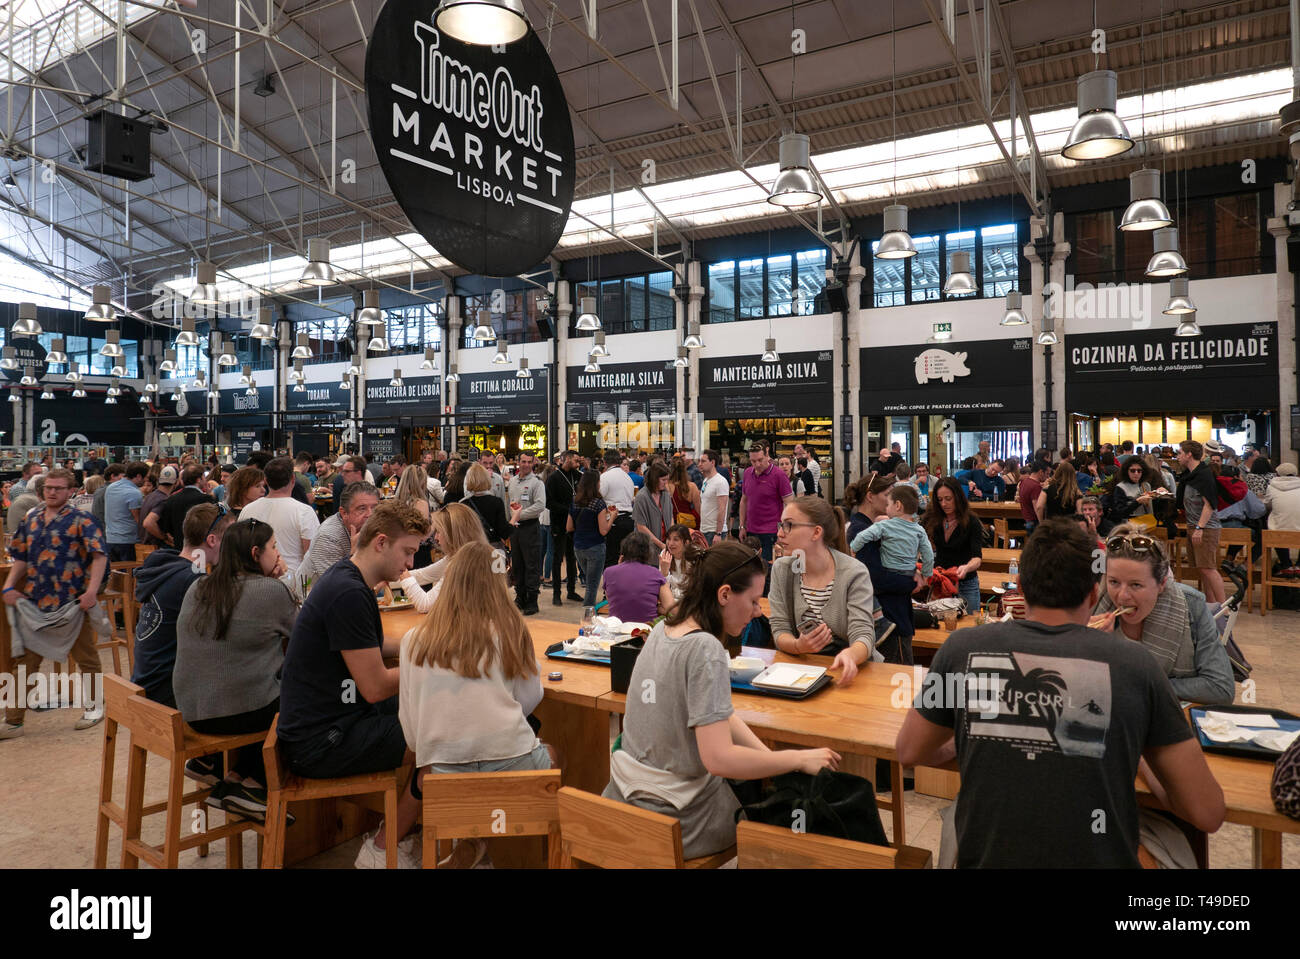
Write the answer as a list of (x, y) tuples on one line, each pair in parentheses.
[(764, 492)]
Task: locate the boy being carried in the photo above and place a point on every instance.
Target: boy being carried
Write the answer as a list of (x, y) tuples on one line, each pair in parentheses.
[(902, 539)]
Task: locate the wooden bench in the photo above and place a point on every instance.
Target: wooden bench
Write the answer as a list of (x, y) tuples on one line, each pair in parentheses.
[(760, 846), (1276, 539), (601, 832)]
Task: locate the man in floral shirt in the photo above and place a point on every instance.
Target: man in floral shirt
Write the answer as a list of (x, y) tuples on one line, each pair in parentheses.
[(59, 556)]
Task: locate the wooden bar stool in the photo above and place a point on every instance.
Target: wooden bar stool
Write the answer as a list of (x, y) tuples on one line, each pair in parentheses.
[(114, 600), (1239, 536), (485, 805), (160, 730), (607, 834), (760, 846), (284, 787)]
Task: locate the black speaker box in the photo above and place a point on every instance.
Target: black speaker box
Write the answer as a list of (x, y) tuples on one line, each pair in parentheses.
[(545, 326), (118, 146), (837, 300)]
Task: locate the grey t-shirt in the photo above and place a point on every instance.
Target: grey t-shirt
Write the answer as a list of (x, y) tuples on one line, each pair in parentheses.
[(333, 542), (677, 685), (1201, 486)]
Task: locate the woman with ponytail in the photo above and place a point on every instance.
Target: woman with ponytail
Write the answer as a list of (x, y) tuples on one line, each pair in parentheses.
[(821, 596)]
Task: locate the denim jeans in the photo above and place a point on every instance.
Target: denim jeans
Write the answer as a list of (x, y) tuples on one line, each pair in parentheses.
[(537, 758), (548, 551), (592, 563), (969, 590)]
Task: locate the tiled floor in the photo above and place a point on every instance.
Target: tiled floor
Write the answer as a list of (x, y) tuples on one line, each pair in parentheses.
[(49, 778)]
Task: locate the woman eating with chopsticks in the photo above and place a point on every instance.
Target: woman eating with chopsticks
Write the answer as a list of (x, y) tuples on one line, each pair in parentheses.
[(1143, 602)]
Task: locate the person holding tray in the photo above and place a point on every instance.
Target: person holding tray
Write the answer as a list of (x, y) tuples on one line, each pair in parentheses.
[(681, 739)]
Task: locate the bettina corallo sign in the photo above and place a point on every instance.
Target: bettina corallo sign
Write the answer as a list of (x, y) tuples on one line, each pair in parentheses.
[(475, 141)]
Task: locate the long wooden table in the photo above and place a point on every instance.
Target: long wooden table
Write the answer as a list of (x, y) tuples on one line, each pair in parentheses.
[(1006, 509)]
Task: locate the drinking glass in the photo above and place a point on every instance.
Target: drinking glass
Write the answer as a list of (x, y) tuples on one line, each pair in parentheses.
[(588, 615)]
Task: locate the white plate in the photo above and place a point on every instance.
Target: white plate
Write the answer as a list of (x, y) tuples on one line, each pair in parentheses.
[(789, 676), (627, 628)]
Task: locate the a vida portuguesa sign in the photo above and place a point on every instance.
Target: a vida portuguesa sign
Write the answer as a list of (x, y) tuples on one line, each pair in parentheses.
[(475, 141)]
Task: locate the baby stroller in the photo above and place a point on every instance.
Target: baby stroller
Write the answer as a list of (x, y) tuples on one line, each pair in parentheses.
[(1225, 618)]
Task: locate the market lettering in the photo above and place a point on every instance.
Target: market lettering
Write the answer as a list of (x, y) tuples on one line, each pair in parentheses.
[(500, 386), (765, 371), (1209, 349), (613, 381)]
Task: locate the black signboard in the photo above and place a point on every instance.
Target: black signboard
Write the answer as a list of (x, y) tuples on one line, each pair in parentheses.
[(502, 398), (1227, 367), (977, 376), (90, 420), (30, 357), (242, 409), (623, 393), (475, 141), (319, 397), (244, 440), (183, 415), (745, 386), (382, 442), (417, 394)]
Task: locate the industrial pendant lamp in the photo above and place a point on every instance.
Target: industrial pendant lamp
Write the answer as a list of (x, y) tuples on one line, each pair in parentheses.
[(770, 355), (960, 280), (683, 358), (430, 354), (1048, 336), (1180, 298), (46, 394), (213, 392), (1014, 316), (598, 346), (168, 364), (28, 379), (588, 321), (318, 271), (302, 349), (9, 358), (252, 390), (503, 357), (187, 336), (78, 393), (113, 388), (482, 22), (1098, 132), (379, 342), (298, 375), (370, 314), (56, 354), (264, 328), (452, 375), (72, 376), (523, 373), (593, 364), (112, 344), (354, 368), (151, 385), (200, 380), (176, 396), (1188, 326), (897, 243), (299, 386), (26, 324), (227, 357), (345, 383), (1166, 260), (397, 378), (205, 284), (795, 184), (693, 340), (15, 396), (1145, 210), (101, 308), (483, 331)]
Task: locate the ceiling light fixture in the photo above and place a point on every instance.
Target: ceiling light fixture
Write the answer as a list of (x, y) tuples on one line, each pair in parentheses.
[(1048, 336), (598, 344), (205, 284), (101, 307), (1145, 210), (246, 375), (26, 324), (503, 356), (318, 271), (113, 388), (397, 378), (683, 358), (1015, 315), (897, 243), (9, 358), (1188, 326), (168, 364), (1166, 260), (56, 354), (770, 355), (482, 22), (483, 331), (72, 376), (187, 336), (46, 394), (112, 344), (78, 393), (693, 340), (429, 355), (302, 351), (264, 328), (795, 185), (960, 280), (151, 385), (379, 342), (227, 357), (452, 375), (588, 320), (593, 364), (1098, 132), (1180, 298), (523, 373), (370, 314)]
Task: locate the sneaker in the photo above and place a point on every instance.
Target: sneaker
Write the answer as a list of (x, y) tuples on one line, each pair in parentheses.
[(575, 597), (246, 800), (370, 856), (91, 717), (11, 730), (884, 627), (480, 854), (215, 797), (206, 769)]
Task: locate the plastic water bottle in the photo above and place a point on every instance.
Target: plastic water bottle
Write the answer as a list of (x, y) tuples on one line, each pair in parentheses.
[(1013, 571)]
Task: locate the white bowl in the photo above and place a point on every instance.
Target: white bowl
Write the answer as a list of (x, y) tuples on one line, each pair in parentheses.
[(745, 668)]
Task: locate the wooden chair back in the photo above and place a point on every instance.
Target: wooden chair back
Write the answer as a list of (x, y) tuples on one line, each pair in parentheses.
[(275, 772), (1000, 537), (760, 846), (614, 835), (154, 727), (1280, 539), (488, 805)]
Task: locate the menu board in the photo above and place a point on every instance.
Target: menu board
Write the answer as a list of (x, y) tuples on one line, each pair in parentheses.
[(624, 393), (799, 385), (503, 398)]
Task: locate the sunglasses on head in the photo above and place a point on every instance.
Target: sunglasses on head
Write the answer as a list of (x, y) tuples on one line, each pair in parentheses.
[(1133, 542), (755, 555)]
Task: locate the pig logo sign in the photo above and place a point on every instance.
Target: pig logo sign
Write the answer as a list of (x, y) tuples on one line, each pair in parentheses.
[(940, 365)]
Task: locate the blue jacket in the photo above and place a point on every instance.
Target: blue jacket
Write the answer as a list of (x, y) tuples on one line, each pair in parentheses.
[(986, 484)]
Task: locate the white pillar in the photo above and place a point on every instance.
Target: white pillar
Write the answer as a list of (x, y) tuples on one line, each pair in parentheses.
[(562, 298), (1280, 228), (451, 396), (845, 463)]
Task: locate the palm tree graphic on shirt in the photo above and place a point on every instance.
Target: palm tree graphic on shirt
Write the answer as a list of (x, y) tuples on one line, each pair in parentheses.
[(1037, 695)]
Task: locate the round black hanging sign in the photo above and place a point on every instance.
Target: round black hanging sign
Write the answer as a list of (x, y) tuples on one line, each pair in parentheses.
[(475, 141)]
